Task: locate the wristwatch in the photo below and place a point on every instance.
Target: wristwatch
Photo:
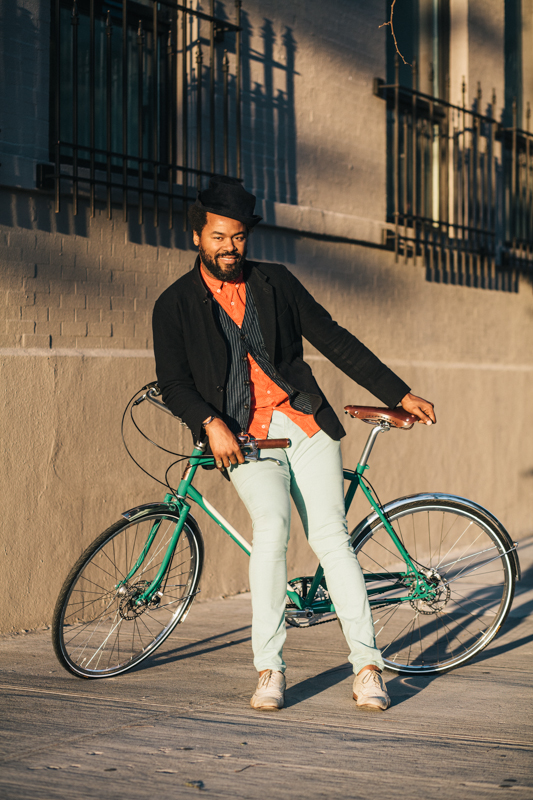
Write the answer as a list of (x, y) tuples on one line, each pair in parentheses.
[(208, 420)]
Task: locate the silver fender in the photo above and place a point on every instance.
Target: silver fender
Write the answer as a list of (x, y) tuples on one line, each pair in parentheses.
[(167, 509), (406, 502)]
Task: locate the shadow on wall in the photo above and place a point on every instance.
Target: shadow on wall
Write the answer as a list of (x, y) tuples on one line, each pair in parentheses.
[(269, 121), (36, 212)]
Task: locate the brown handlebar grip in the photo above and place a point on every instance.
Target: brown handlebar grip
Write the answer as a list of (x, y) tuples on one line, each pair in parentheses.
[(271, 444)]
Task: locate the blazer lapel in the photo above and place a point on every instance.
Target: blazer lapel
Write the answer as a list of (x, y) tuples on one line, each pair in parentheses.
[(265, 302)]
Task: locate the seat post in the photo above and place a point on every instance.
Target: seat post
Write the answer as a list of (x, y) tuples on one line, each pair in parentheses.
[(379, 428)]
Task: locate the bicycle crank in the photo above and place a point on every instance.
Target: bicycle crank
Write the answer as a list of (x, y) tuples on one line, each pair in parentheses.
[(305, 617)]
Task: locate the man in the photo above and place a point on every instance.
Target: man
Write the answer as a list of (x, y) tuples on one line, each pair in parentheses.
[(229, 357)]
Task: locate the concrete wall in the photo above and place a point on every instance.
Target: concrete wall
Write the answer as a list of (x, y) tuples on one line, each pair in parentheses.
[(76, 296)]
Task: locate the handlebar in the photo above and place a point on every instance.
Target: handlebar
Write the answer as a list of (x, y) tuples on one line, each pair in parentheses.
[(249, 445)]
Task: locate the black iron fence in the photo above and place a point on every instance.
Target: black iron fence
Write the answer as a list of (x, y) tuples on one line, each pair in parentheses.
[(146, 102), (460, 190)]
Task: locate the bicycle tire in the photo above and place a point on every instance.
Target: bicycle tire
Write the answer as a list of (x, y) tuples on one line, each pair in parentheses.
[(97, 631), (475, 570)]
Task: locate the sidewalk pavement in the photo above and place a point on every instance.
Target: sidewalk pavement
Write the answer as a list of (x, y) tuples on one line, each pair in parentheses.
[(181, 724)]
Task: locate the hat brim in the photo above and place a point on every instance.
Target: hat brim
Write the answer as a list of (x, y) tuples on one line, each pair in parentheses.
[(250, 222)]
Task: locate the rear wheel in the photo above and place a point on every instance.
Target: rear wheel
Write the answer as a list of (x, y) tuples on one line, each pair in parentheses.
[(467, 569), (98, 630)]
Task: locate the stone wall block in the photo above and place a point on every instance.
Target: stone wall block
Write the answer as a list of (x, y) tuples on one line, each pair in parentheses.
[(109, 289), (48, 300), (94, 342), (26, 241), (88, 288), (99, 329), (111, 264), (37, 285), (74, 329), (117, 343), (48, 328), (66, 341), (8, 254), (99, 275), (16, 269), (49, 271), (14, 312), (36, 340), (142, 304), (123, 330), (19, 326), (87, 315), (133, 291), (58, 287), (150, 279), (122, 304), (12, 282), (21, 298), (37, 313), (137, 344), (114, 317), (99, 302), (10, 339), (128, 278), (62, 314), (73, 301), (71, 273)]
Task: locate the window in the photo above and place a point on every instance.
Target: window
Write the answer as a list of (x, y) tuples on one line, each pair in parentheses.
[(145, 102), (459, 180)]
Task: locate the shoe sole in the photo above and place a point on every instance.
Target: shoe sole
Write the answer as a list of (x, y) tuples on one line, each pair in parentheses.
[(266, 708), (369, 706)]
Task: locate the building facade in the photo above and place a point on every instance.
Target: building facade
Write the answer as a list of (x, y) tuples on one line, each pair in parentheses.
[(396, 182)]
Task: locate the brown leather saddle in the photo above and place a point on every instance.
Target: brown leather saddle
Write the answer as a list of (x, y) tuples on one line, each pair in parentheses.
[(396, 418)]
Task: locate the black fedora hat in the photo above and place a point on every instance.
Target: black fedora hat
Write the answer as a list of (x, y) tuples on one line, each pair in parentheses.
[(227, 197)]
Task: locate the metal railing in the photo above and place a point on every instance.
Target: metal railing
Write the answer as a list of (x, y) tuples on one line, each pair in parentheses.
[(146, 102), (460, 191)]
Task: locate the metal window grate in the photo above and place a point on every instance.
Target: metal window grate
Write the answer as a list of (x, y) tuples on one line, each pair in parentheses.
[(460, 190), (146, 102)]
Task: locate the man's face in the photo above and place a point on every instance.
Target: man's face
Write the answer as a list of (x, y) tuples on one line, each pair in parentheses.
[(222, 246)]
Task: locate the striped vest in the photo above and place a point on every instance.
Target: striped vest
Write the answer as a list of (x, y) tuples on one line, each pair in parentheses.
[(242, 341)]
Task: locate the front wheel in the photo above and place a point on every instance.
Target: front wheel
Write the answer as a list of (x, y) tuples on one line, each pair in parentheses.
[(98, 629), (467, 588)]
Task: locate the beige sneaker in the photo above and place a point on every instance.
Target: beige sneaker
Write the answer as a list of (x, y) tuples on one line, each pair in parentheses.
[(369, 691), (270, 692)]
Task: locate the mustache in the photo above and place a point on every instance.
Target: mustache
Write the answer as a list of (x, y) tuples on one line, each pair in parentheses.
[(230, 253)]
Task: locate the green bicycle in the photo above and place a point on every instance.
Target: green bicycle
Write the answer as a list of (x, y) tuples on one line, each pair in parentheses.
[(440, 572)]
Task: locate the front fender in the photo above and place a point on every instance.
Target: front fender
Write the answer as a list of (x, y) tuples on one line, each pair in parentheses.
[(406, 502), (166, 509)]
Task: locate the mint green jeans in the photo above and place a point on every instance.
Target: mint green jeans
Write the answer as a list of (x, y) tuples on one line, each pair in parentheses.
[(311, 473)]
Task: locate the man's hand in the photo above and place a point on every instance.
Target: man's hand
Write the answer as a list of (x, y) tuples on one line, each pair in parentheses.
[(422, 409), (223, 444)]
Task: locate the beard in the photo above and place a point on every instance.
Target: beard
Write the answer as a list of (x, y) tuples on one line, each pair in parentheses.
[(220, 272)]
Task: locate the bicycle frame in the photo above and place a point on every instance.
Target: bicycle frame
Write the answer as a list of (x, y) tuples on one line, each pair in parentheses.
[(178, 508)]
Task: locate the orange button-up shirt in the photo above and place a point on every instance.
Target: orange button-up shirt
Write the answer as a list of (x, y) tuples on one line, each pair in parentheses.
[(266, 396)]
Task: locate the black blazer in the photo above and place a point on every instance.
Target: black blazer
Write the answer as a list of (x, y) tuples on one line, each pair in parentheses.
[(192, 358)]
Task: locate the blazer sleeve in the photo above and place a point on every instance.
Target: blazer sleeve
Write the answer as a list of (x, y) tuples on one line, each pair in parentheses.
[(344, 350), (173, 370)]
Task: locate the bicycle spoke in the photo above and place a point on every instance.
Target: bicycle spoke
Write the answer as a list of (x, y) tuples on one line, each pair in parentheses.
[(465, 597), (105, 631)]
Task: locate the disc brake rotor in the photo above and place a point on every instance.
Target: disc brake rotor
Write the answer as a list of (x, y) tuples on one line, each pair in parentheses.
[(127, 608), (440, 594)]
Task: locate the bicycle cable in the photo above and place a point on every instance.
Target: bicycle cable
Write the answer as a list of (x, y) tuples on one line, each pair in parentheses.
[(183, 456)]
